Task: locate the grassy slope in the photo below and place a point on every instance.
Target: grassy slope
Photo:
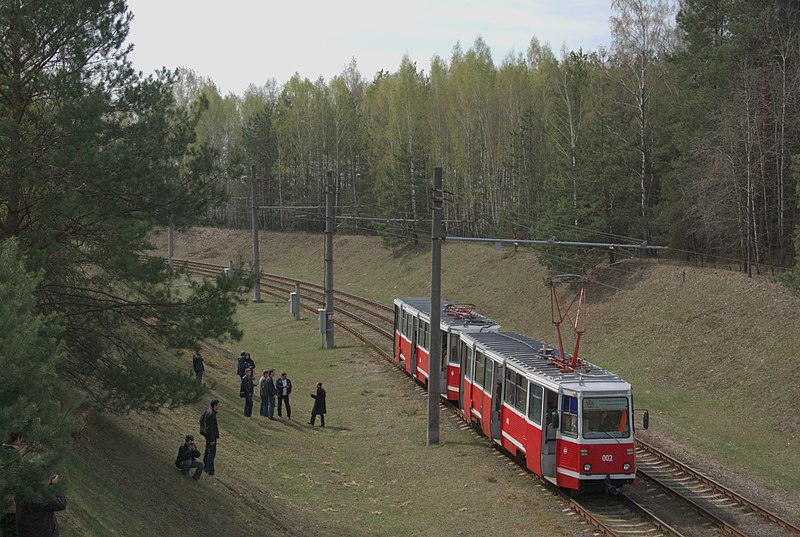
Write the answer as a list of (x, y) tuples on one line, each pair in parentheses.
[(712, 354)]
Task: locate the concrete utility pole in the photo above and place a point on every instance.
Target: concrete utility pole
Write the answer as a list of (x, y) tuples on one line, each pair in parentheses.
[(329, 223), (254, 218), (435, 362)]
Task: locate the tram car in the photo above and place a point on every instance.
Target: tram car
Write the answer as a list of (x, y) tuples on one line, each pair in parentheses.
[(412, 337), (572, 425)]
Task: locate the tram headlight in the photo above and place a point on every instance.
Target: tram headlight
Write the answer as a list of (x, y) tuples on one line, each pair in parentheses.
[(587, 467), (626, 466)]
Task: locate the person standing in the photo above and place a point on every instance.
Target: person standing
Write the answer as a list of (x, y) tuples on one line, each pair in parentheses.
[(197, 365), (284, 387), (319, 406), (248, 362), (39, 519), (246, 391), (271, 393), (262, 394), (8, 519), (186, 459), (210, 430), (242, 364)]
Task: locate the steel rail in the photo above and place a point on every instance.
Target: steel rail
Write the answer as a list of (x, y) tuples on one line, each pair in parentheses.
[(719, 487)]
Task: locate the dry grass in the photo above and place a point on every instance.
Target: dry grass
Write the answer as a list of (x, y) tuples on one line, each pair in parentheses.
[(710, 352)]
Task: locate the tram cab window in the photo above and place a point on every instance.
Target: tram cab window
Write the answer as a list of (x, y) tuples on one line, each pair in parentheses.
[(535, 393), (605, 417), (569, 416)]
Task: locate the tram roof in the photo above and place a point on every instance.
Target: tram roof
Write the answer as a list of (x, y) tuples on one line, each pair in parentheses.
[(422, 305), (530, 355)]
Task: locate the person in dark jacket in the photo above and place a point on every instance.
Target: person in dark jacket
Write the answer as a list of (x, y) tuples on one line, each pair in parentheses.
[(262, 393), (284, 387), (241, 365), (246, 391), (271, 392), (319, 406), (186, 458), (197, 365), (39, 520), (248, 362), (210, 430)]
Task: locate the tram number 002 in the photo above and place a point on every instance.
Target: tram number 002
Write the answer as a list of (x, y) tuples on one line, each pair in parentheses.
[(607, 458)]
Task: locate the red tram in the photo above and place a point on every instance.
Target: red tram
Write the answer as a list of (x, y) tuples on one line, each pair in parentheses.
[(412, 321), (573, 425)]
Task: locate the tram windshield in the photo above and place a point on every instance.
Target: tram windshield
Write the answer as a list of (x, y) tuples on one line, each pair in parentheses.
[(606, 417)]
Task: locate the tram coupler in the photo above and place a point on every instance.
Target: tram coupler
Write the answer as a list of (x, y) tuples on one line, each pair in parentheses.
[(610, 488)]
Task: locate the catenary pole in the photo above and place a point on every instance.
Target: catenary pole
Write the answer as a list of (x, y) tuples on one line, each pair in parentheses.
[(435, 362), (329, 223), (254, 218)]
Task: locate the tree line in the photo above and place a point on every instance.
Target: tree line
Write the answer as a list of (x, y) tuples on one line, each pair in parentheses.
[(681, 133)]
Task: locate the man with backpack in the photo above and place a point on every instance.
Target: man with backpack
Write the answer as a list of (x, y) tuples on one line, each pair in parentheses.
[(210, 430)]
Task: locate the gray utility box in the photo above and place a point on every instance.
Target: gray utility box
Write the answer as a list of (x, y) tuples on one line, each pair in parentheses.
[(294, 304)]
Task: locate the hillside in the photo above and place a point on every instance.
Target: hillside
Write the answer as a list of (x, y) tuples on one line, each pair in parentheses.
[(711, 353)]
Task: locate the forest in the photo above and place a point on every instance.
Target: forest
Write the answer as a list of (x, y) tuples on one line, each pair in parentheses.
[(681, 134)]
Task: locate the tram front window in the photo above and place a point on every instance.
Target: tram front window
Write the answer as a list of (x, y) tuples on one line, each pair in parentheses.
[(605, 417)]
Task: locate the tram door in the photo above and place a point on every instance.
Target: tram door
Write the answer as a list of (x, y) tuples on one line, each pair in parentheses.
[(465, 372), (549, 408), (414, 346), (449, 347), (497, 398)]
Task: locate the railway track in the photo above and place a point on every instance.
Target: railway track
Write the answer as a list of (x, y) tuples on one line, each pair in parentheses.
[(669, 499)]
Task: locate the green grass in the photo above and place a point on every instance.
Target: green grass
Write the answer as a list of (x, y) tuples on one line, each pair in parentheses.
[(711, 353), (368, 472)]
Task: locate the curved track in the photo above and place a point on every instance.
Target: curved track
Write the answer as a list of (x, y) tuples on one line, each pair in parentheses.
[(670, 498)]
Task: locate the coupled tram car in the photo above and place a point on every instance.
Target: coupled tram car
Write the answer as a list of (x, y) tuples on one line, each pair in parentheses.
[(571, 422)]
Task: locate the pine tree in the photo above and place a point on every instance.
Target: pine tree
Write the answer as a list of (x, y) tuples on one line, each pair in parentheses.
[(92, 157), (32, 399)]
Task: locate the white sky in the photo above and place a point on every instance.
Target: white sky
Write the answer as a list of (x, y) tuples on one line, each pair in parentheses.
[(239, 42)]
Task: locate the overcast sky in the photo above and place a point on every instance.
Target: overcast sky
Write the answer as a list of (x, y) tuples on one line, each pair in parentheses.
[(239, 42)]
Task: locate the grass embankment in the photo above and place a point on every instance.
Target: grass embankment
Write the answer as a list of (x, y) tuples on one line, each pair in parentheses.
[(712, 353), (368, 472)]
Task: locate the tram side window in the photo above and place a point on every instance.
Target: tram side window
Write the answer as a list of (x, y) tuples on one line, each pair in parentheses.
[(452, 356), (535, 395), (569, 415), (469, 358), (511, 390), (522, 393), (480, 367), (398, 319), (408, 320), (487, 376), (516, 390), (424, 334)]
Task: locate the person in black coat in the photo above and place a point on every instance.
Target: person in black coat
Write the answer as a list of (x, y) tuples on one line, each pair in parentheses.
[(187, 454), (39, 520), (197, 365), (246, 391), (319, 406), (210, 430), (241, 365)]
